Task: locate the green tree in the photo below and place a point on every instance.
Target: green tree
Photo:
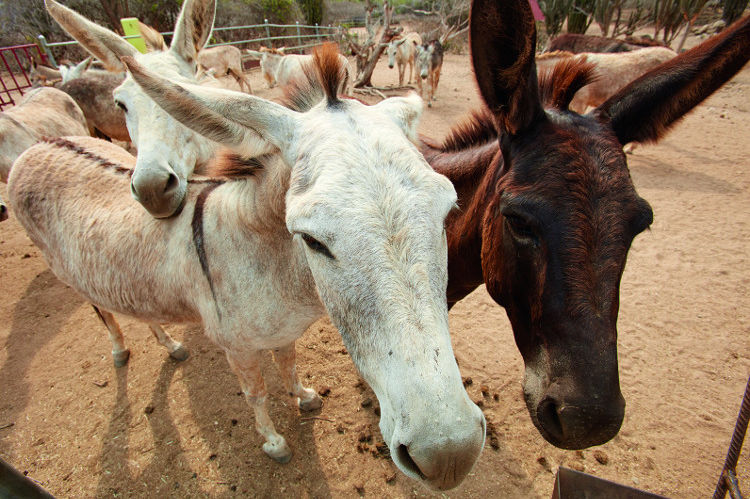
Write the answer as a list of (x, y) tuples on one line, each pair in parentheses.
[(313, 10)]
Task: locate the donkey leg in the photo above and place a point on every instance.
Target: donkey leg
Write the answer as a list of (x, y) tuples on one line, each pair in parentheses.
[(247, 369), (437, 80), (241, 81), (430, 87), (120, 354), (401, 68), (175, 348), (307, 399)]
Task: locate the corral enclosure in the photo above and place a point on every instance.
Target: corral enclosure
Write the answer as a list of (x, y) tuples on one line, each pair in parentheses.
[(161, 429)]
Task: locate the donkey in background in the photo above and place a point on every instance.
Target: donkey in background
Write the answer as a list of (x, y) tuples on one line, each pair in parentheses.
[(429, 64), (168, 152), (403, 52), (223, 61), (548, 208), (43, 112), (279, 68)]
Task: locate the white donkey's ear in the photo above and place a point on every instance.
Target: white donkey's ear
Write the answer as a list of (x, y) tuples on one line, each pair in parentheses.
[(405, 112), (193, 28), (253, 54), (248, 124), (102, 43)]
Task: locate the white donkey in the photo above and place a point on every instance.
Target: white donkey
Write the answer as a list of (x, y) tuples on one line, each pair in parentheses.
[(168, 152), (225, 60), (281, 69), (403, 52), (3, 211), (347, 216)]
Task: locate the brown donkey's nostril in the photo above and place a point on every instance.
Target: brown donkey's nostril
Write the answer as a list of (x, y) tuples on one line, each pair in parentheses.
[(549, 418)]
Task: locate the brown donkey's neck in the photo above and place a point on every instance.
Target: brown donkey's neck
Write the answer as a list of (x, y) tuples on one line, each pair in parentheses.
[(473, 174)]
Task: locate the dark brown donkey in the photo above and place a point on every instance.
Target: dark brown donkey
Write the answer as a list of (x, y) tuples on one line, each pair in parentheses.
[(548, 209)]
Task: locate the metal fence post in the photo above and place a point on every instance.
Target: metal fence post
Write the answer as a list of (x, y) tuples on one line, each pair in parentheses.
[(47, 50), (299, 37), (268, 31), (317, 33)]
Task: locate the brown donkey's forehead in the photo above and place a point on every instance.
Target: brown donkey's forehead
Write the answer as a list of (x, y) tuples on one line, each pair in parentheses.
[(567, 149), (573, 164)]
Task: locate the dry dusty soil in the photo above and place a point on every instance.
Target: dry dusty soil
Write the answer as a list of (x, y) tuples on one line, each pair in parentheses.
[(163, 429)]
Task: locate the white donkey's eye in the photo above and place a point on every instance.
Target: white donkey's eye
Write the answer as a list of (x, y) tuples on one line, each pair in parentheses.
[(317, 246), (121, 106)]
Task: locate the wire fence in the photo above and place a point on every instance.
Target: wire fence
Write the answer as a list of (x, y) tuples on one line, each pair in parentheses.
[(301, 36), (15, 61)]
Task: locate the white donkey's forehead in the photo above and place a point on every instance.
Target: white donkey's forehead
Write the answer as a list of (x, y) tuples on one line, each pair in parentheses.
[(353, 158)]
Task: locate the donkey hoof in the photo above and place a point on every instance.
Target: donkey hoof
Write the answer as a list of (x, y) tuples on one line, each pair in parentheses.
[(279, 451), (180, 354), (312, 404), (121, 358), (429, 103)]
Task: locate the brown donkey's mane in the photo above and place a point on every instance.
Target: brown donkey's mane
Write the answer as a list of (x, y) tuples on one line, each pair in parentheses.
[(558, 86), (478, 128), (556, 89)]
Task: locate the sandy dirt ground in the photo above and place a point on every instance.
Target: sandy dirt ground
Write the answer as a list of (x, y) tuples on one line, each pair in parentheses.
[(163, 429)]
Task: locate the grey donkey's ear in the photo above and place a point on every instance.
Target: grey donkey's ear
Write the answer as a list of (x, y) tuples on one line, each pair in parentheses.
[(193, 28), (102, 43), (245, 123)]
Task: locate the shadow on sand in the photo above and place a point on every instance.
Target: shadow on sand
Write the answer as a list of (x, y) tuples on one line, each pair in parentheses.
[(234, 465), (38, 316)]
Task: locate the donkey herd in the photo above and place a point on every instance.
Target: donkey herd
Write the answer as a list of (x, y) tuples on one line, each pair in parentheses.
[(255, 218)]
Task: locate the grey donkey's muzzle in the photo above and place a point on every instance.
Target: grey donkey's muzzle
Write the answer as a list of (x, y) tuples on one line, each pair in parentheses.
[(159, 190)]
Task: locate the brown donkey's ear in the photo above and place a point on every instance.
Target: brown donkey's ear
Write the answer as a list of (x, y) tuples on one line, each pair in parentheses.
[(644, 110), (502, 37)]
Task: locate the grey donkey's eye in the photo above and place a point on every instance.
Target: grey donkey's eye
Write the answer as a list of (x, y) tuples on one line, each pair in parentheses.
[(317, 246)]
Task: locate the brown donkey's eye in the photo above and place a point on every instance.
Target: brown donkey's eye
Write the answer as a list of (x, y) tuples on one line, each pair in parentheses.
[(316, 246), (520, 228)]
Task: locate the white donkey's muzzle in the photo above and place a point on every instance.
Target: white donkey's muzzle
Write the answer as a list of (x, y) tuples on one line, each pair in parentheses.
[(441, 451)]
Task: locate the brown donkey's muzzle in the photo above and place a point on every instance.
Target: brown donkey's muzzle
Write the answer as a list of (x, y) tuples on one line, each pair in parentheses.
[(568, 425)]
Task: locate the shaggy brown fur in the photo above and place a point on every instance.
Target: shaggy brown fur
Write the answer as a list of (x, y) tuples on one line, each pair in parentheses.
[(228, 164)]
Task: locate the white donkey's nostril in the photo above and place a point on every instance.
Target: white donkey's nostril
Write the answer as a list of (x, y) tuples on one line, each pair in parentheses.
[(172, 183), (403, 458)]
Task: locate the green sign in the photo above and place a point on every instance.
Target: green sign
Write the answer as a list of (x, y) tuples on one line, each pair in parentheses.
[(131, 28)]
